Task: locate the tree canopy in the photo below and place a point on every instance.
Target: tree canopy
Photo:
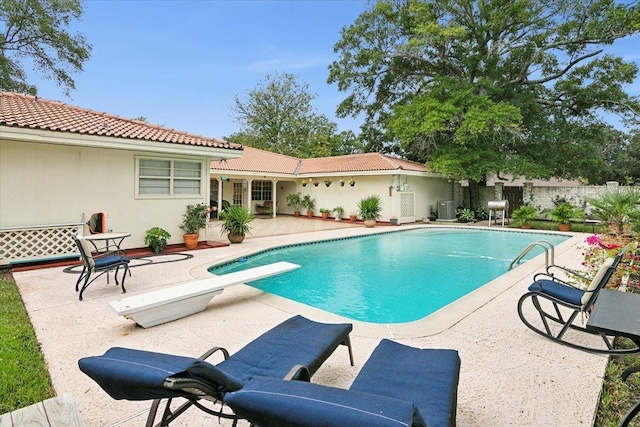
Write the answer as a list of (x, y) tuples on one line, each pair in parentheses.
[(474, 87), (36, 31), (277, 116)]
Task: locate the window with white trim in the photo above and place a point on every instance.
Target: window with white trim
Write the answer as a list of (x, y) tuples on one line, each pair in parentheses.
[(170, 178), (261, 190)]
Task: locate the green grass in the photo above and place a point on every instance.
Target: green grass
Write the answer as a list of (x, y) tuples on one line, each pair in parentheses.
[(618, 396), (24, 378)]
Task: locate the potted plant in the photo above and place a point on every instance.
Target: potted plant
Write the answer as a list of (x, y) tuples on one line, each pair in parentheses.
[(193, 220), (327, 182), (235, 222), (341, 182), (563, 213), (393, 220), (294, 200), (369, 209), (353, 217), (156, 238), (352, 182), (325, 212), (339, 211), (316, 183), (304, 182), (524, 215), (309, 204)]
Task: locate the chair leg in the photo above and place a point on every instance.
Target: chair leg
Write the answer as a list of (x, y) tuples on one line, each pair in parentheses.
[(347, 342), (84, 269), (124, 276), (630, 415), (85, 284)]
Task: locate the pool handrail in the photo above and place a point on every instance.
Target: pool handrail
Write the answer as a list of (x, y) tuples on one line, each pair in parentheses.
[(546, 246)]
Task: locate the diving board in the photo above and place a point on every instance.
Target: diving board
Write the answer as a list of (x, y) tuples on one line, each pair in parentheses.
[(164, 305)]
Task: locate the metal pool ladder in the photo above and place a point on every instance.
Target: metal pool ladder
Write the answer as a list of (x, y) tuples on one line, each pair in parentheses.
[(544, 244)]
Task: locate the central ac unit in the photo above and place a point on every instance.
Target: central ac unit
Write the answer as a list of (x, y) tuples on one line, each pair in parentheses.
[(447, 210)]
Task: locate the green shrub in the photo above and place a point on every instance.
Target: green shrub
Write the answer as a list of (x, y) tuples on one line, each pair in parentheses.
[(465, 215), (156, 238)]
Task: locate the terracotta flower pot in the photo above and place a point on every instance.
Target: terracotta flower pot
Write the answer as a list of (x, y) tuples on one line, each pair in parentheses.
[(296, 213), (353, 218), (325, 215), (564, 227), (309, 214), (190, 241)]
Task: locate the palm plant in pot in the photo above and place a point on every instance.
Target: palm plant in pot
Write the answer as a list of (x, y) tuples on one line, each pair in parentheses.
[(309, 204), (193, 220), (294, 200), (369, 209), (524, 215), (235, 222)]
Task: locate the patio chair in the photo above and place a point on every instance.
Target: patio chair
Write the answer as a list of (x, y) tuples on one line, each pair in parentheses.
[(555, 300), (398, 386), (142, 375), (98, 264)]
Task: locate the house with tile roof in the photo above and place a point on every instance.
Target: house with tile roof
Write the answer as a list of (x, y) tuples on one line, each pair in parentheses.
[(59, 164), (409, 191)]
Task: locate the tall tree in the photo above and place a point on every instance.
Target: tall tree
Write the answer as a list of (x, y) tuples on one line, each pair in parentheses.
[(479, 86), (36, 31), (277, 116)]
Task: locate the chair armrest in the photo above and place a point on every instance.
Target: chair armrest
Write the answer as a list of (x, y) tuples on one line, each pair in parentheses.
[(298, 373), (212, 350), (567, 270)]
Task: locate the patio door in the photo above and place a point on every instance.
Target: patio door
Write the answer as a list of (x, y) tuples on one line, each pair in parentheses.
[(237, 193)]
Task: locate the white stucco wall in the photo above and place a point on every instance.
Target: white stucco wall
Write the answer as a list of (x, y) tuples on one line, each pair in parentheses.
[(52, 184), (429, 190)]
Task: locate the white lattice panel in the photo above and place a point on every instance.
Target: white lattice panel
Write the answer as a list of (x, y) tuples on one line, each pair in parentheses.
[(406, 207), (35, 243)]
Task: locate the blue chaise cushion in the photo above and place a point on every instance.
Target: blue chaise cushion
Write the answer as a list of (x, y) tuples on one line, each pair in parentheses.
[(558, 290), (270, 402), (426, 377), (296, 341), (110, 260), (139, 375)]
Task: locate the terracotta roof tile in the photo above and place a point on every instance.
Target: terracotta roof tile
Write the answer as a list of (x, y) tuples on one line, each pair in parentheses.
[(25, 111), (255, 160), (364, 162)]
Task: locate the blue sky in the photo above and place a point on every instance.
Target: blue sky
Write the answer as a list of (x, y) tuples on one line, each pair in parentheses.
[(180, 63)]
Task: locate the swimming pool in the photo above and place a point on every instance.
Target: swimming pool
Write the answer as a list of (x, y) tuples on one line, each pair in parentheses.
[(392, 277)]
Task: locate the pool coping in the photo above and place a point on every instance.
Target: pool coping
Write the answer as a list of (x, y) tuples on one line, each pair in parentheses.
[(435, 323)]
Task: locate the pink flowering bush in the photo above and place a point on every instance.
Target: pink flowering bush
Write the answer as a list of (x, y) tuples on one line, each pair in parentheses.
[(602, 246)]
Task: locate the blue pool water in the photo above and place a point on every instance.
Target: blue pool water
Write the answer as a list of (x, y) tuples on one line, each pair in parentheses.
[(392, 277)]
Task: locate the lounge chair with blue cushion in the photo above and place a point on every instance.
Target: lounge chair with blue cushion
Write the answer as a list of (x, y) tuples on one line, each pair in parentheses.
[(142, 375), (558, 304), (398, 386)]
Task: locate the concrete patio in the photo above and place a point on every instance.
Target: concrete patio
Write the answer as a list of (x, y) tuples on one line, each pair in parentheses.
[(510, 376)]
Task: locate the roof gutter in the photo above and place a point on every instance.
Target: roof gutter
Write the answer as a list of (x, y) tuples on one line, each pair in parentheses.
[(44, 136)]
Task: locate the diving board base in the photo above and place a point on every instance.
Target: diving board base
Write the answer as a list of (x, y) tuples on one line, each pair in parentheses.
[(165, 305), (171, 311)]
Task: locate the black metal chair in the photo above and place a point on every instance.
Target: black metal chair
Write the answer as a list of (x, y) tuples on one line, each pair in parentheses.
[(98, 264), (550, 295)]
